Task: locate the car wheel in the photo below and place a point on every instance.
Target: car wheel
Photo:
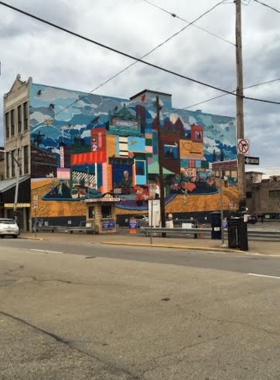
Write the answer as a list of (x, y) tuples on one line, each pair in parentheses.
[(2, 236), (14, 236)]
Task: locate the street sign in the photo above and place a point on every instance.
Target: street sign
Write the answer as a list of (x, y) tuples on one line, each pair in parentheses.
[(252, 160), (18, 205), (243, 146)]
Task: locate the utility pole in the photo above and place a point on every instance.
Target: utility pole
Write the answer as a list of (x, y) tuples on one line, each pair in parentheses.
[(160, 152), (222, 207), (239, 105)]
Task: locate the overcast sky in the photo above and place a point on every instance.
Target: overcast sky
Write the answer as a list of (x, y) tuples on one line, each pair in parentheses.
[(55, 58)]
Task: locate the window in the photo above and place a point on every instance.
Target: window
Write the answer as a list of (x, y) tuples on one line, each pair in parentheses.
[(7, 165), (249, 194), (106, 211), (7, 124), (13, 163), (19, 119), (91, 212), (274, 194), (19, 161), (12, 122), (25, 116), (26, 159)]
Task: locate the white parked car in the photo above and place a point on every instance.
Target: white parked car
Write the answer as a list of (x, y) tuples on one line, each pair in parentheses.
[(8, 227)]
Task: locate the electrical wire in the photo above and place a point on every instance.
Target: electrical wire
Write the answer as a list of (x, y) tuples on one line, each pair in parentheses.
[(191, 23), (249, 1), (268, 6), (135, 62), (220, 96), (135, 58)]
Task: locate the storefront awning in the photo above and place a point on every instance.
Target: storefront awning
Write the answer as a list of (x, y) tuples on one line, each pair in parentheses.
[(89, 158), (8, 184), (154, 169)]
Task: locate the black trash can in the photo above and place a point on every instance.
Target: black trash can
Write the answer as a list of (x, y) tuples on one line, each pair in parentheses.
[(216, 232), (237, 233)]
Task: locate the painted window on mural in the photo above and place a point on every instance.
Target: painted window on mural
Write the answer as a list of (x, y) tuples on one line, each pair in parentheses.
[(170, 151), (140, 168)]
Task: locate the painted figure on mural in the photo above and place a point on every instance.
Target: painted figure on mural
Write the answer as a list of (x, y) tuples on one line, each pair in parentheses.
[(169, 153), (226, 180), (126, 181), (175, 182), (187, 182), (211, 183), (157, 191)]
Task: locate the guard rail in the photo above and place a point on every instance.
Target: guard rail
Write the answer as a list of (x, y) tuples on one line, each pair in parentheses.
[(206, 232)]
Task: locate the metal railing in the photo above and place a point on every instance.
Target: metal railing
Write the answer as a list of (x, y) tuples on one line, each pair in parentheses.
[(263, 235)]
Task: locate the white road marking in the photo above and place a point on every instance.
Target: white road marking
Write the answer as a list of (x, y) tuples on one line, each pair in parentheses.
[(44, 251), (263, 275)]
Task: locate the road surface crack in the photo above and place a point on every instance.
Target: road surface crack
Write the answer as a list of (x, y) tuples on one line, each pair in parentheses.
[(177, 352), (258, 328), (108, 365)]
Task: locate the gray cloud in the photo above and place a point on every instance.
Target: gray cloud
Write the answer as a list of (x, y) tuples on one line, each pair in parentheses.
[(55, 58)]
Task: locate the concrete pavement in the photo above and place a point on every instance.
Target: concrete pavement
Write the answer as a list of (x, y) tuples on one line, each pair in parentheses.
[(63, 316)]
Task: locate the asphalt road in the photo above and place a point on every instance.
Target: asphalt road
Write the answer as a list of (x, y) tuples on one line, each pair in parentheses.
[(100, 312), (244, 263)]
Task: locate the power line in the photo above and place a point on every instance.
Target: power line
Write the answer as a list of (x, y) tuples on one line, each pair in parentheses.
[(268, 6), (112, 49), (134, 58), (249, 1), (245, 88), (135, 62), (191, 23)]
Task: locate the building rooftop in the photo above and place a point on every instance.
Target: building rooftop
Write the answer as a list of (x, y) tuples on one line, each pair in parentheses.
[(151, 91)]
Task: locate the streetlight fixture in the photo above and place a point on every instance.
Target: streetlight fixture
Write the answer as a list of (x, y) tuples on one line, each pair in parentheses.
[(17, 182)]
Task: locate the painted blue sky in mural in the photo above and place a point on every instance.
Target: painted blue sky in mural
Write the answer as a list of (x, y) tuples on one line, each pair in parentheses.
[(91, 111)]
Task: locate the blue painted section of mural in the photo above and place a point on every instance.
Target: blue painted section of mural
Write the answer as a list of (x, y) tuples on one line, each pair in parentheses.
[(136, 144), (101, 144)]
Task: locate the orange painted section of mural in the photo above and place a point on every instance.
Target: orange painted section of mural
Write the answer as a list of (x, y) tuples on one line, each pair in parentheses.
[(53, 209)]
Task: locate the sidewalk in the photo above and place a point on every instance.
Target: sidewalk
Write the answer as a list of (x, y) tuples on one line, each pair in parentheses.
[(261, 247)]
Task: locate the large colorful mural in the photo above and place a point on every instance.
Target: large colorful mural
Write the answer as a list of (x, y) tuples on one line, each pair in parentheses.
[(86, 145)]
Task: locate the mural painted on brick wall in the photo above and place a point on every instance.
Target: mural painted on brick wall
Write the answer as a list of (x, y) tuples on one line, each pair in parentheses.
[(101, 145)]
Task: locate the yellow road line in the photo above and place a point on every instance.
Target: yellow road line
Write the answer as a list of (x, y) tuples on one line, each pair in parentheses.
[(175, 247)]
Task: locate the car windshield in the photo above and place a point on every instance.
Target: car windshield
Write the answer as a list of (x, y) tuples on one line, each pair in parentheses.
[(7, 221)]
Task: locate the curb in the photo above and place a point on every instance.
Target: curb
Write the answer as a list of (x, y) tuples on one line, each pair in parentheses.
[(177, 247), (30, 238)]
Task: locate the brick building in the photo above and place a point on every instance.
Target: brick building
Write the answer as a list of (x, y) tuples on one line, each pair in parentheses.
[(263, 195)]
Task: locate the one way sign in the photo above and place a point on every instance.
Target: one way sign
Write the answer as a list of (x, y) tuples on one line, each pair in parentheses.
[(252, 160)]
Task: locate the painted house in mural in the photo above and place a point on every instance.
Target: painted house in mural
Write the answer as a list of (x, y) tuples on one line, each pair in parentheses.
[(86, 145)]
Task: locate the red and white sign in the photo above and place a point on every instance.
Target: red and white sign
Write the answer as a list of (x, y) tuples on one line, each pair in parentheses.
[(243, 146)]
